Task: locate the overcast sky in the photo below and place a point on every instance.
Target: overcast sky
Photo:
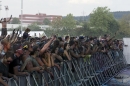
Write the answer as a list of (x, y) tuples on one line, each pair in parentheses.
[(61, 7)]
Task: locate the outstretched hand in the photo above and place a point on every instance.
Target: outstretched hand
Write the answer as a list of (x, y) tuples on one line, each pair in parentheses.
[(53, 37), (14, 31)]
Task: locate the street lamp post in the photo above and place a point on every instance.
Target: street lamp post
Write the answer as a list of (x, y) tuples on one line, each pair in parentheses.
[(21, 16)]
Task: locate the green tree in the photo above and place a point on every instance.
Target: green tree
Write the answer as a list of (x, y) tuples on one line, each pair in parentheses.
[(69, 22), (34, 27), (57, 23), (15, 21), (125, 25), (46, 21), (100, 19), (113, 27)]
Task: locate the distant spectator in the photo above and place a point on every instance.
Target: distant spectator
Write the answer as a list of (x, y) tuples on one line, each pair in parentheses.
[(15, 65), (4, 67), (25, 34), (28, 63), (67, 39)]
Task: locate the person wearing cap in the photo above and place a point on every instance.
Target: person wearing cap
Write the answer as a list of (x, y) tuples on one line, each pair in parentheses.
[(28, 64), (15, 65)]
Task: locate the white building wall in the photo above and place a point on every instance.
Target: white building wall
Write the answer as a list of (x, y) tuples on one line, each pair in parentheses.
[(44, 27)]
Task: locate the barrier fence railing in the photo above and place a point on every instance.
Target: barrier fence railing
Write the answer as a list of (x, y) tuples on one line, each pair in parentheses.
[(93, 70)]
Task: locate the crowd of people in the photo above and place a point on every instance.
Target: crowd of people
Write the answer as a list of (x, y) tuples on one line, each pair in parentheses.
[(23, 55)]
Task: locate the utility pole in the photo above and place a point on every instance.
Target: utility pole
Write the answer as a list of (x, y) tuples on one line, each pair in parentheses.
[(0, 8), (21, 16)]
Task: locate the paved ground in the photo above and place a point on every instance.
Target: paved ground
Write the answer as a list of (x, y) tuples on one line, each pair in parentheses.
[(123, 79)]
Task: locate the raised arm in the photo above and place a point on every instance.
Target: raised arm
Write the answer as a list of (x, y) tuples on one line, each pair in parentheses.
[(1, 20), (47, 45), (9, 18)]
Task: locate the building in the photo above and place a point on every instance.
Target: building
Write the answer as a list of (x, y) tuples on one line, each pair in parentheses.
[(30, 18), (13, 26)]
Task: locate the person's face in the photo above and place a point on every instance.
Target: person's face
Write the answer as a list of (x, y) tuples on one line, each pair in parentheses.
[(4, 19), (68, 39), (68, 47), (30, 48), (8, 60), (20, 52), (92, 42)]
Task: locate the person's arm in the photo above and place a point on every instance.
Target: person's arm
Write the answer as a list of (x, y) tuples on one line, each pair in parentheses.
[(74, 55), (14, 76), (2, 82), (47, 45), (9, 19), (95, 49), (31, 69), (88, 50), (16, 72), (39, 61), (1, 20), (47, 61), (56, 51)]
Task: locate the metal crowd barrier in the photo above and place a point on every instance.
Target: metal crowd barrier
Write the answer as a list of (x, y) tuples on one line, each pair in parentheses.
[(90, 71)]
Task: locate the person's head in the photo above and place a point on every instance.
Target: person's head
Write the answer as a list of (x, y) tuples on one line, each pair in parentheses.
[(60, 38), (35, 51), (8, 57), (4, 19), (67, 38), (19, 52), (27, 47), (91, 41), (5, 44), (66, 46), (17, 49), (27, 30), (72, 43), (56, 43)]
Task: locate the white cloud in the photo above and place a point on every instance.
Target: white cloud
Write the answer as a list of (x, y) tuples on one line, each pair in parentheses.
[(89, 1), (81, 1), (60, 7)]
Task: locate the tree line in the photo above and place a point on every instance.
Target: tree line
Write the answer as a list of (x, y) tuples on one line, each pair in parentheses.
[(101, 21)]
